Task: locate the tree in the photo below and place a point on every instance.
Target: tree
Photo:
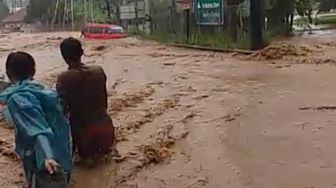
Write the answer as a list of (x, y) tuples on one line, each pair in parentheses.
[(4, 10), (57, 12), (115, 5), (96, 15), (280, 13), (40, 9), (305, 9), (108, 8), (327, 5)]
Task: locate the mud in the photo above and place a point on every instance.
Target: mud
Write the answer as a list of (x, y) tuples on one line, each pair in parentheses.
[(128, 99), (134, 121), (281, 50)]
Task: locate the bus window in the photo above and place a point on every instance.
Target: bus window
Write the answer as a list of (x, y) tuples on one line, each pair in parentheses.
[(96, 30), (114, 30)]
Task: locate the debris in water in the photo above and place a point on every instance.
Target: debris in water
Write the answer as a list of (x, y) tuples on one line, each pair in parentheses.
[(118, 82), (282, 66), (280, 50), (188, 117), (330, 44), (155, 155), (201, 97), (58, 38), (156, 55), (129, 99), (313, 60), (169, 64), (199, 182), (134, 122), (158, 150), (232, 117), (99, 48), (321, 108), (7, 150)]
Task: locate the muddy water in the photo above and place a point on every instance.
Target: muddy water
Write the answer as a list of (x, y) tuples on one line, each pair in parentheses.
[(277, 140), (199, 119)]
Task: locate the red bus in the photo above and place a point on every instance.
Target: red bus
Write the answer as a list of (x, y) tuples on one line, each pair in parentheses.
[(103, 31)]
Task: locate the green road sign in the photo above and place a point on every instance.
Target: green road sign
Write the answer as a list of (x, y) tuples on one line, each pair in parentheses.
[(209, 12)]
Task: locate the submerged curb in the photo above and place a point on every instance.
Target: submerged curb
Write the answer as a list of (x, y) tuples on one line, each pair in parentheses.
[(195, 47)]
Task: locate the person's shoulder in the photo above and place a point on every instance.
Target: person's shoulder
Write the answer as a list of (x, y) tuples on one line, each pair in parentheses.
[(22, 100), (65, 75), (96, 69)]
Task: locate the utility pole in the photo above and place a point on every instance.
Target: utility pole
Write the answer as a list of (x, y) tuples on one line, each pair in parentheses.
[(12, 2), (136, 15), (108, 8), (186, 8), (256, 24), (92, 12), (72, 15), (65, 13), (55, 14), (85, 12), (14, 6)]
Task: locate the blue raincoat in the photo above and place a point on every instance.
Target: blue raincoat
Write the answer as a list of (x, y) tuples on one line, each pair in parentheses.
[(41, 130)]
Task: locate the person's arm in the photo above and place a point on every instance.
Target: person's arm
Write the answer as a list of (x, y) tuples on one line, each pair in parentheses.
[(105, 91), (61, 90), (30, 122)]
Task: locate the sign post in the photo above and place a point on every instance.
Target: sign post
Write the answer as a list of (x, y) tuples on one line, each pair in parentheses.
[(186, 8), (185, 4), (209, 12)]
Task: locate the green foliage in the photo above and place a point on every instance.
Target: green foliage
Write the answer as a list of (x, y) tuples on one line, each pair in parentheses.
[(221, 40), (98, 14), (305, 9), (282, 12), (4, 10), (234, 2), (326, 20), (40, 9), (327, 5), (45, 9)]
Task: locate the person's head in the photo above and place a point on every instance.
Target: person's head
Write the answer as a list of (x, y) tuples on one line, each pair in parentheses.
[(20, 66), (72, 51)]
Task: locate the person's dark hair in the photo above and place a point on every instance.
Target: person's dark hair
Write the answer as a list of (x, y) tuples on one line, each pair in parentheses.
[(71, 50), (20, 66)]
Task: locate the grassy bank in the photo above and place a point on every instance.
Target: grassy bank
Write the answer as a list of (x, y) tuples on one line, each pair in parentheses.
[(326, 20), (222, 40), (320, 20), (214, 40)]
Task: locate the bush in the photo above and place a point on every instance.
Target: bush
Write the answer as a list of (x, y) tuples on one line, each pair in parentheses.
[(214, 40), (220, 40)]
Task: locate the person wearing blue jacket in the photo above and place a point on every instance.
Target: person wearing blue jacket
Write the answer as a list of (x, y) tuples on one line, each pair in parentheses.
[(42, 134)]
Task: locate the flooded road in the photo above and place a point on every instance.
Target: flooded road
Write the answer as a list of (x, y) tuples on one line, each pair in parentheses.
[(191, 119)]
